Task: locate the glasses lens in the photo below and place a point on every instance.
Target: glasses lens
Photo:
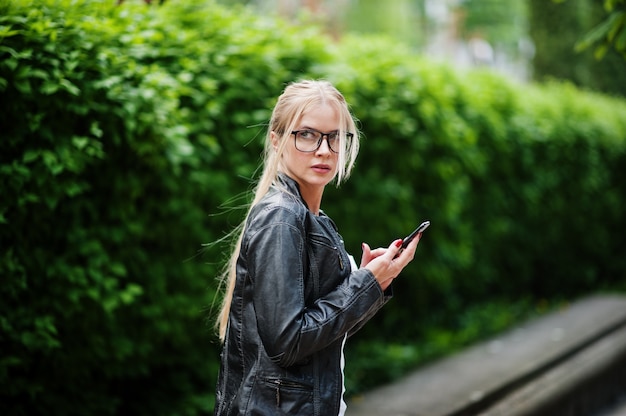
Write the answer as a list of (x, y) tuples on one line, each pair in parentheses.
[(311, 140), (307, 140)]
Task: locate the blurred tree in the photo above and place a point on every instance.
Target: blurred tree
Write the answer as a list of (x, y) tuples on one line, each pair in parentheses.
[(610, 32), (400, 19), (145, 1), (557, 57), (404, 20), (328, 14), (504, 24)]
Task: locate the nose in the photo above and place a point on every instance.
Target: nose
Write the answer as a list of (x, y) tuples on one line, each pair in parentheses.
[(324, 146)]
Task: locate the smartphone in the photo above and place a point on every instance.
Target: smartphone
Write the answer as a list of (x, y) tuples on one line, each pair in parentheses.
[(411, 236)]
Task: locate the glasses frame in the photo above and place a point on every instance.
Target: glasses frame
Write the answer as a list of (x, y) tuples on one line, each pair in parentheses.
[(349, 136)]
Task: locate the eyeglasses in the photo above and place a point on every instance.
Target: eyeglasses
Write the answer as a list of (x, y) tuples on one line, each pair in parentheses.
[(310, 140)]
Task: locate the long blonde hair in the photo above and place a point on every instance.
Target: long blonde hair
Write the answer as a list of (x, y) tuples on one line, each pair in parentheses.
[(296, 99)]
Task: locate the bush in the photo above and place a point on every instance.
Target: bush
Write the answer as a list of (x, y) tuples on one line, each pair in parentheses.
[(511, 176), (125, 129), (522, 184)]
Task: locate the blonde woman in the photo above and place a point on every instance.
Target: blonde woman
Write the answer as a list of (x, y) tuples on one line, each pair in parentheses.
[(293, 294)]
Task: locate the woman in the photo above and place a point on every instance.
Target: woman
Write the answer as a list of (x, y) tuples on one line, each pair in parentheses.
[(293, 293)]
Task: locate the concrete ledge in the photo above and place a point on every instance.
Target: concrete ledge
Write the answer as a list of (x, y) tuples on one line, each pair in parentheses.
[(586, 382), (530, 370)]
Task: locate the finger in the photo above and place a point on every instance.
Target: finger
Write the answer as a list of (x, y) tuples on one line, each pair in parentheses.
[(394, 248), (408, 253), (413, 244), (378, 252), (416, 241), (366, 257)]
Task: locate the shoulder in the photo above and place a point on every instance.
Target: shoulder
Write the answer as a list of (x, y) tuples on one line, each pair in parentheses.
[(278, 217), (275, 208)]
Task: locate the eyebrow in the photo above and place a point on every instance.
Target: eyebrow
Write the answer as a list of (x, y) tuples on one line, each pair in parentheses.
[(313, 128)]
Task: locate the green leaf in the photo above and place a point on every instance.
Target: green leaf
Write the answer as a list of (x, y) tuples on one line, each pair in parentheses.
[(601, 51), (95, 129), (52, 162), (30, 155), (618, 20), (130, 293), (595, 35), (49, 87), (10, 51), (69, 87), (23, 86), (80, 142), (118, 269)]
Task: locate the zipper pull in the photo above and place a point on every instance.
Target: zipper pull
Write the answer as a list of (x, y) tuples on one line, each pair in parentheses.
[(278, 393), (340, 260)]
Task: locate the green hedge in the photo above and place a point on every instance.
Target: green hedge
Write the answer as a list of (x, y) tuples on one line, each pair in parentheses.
[(523, 184), (125, 129)]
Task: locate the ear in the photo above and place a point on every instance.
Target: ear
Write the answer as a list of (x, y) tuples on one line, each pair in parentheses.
[(274, 139)]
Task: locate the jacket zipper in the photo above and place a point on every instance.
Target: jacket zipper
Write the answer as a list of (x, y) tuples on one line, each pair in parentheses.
[(278, 383), (340, 260)]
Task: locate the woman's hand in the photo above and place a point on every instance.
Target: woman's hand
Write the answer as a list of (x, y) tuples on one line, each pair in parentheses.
[(384, 264)]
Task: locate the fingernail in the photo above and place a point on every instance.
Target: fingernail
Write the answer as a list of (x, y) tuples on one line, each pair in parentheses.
[(398, 243), (362, 246)]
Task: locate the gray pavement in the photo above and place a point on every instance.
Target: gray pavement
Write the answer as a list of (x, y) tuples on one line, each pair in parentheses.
[(526, 366)]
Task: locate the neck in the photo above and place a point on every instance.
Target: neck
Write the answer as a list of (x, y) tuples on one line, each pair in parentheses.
[(313, 198), (310, 194)]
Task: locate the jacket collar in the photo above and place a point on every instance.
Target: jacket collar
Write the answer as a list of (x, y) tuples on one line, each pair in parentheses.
[(286, 183), (290, 185)]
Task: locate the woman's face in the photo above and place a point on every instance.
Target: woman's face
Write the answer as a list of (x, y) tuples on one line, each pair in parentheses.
[(313, 169)]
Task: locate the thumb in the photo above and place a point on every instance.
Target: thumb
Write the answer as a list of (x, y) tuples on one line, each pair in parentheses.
[(367, 254)]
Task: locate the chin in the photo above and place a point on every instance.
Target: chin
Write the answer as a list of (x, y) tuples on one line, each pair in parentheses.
[(320, 181)]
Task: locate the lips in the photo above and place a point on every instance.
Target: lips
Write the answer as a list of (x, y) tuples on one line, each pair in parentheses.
[(321, 168)]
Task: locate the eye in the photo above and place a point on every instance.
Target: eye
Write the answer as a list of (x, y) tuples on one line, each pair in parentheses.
[(307, 134), (334, 135)]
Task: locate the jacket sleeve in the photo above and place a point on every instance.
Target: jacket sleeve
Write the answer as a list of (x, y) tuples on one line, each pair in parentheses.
[(387, 295), (288, 329)]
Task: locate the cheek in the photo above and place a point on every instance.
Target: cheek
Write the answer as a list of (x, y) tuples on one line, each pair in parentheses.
[(290, 154), (291, 157)]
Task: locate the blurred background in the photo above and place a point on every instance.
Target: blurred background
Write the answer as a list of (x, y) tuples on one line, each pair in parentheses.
[(131, 134), (523, 39)]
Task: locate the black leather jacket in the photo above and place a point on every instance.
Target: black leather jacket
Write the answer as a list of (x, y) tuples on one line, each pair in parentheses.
[(295, 299)]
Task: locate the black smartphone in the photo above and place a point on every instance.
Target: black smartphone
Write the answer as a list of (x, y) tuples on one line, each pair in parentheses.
[(411, 236)]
